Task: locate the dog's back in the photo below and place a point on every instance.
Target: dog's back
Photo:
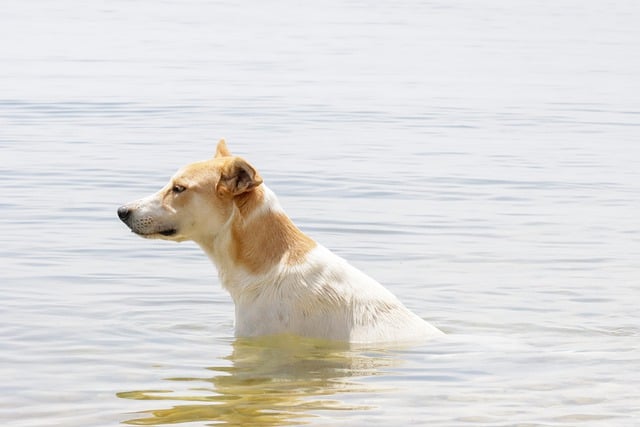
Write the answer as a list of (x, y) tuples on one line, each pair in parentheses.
[(293, 285)]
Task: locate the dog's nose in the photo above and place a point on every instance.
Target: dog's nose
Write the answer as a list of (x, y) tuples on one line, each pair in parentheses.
[(123, 213)]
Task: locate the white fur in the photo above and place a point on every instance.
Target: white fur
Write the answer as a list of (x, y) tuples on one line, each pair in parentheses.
[(324, 297)]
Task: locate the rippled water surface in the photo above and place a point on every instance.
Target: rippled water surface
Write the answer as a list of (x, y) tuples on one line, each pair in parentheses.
[(481, 159)]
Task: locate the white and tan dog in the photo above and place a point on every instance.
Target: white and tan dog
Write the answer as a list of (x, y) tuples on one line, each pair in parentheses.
[(281, 281)]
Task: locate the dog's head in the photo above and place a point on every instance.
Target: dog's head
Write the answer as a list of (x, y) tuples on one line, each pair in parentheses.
[(197, 201)]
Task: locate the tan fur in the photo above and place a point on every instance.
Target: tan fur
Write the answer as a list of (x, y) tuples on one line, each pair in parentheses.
[(263, 241), (222, 150), (259, 243)]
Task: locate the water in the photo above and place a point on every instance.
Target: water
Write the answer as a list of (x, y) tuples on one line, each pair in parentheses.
[(480, 159)]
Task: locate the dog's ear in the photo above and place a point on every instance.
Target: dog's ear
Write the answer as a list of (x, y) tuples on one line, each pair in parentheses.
[(222, 150), (238, 177)]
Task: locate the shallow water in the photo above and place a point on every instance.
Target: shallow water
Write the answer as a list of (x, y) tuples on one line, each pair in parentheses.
[(480, 160)]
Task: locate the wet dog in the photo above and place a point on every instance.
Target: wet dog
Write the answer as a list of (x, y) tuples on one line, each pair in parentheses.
[(281, 280)]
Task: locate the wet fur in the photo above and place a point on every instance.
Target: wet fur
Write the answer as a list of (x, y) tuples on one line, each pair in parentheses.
[(281, 280)]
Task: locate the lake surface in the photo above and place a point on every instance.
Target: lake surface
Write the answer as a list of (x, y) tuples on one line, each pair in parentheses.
[(480, 159)]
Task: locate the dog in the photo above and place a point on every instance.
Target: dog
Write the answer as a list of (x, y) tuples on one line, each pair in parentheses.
[(281, 281)]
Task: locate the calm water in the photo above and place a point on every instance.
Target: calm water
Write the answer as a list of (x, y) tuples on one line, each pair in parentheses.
[(481, 159)]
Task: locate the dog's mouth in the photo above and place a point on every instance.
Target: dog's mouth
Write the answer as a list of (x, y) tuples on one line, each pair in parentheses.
[(169, 232)]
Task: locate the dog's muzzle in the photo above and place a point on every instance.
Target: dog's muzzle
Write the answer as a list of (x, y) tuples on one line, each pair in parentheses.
[(145, 226)]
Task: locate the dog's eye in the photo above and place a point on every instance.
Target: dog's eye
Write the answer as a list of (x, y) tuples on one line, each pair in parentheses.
[(178, 188)]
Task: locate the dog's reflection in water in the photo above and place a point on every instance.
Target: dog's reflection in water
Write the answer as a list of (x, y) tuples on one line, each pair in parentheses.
[(272, 381)]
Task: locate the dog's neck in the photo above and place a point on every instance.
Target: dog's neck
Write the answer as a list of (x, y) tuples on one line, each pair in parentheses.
[(257, 242)]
